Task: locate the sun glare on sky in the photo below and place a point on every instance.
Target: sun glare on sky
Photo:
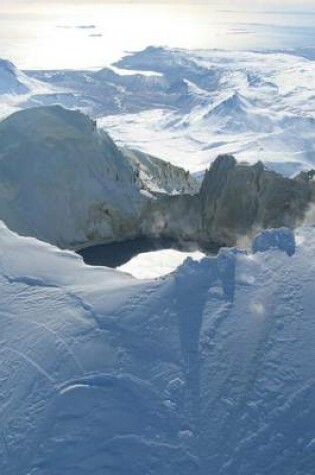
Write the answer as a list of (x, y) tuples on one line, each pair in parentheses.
[(50, 35)]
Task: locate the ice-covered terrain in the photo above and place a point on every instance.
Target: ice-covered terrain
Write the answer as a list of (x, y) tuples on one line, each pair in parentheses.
[(207, 370), (198, 104)]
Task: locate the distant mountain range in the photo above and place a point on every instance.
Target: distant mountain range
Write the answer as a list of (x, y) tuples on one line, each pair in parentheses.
[(188, 107)]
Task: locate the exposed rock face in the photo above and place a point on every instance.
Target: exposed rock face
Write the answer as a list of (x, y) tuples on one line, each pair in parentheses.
[(158, 176), (235, 200), (238, 199), (177, 217)]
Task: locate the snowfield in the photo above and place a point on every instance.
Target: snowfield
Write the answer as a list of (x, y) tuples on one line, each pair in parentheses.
[(207, 370)]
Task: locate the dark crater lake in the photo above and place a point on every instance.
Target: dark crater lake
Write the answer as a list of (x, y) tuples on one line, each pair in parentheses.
[(118, 253)]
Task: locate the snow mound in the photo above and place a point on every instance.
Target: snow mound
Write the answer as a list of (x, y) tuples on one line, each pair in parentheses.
[(282, 239)]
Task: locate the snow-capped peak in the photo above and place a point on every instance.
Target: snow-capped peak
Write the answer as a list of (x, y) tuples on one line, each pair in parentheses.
[(12, 81)]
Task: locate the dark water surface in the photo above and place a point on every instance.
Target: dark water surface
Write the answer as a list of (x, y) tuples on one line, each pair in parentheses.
[(118, 253)]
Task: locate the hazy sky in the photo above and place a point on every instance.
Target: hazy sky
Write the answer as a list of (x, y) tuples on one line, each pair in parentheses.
[(55, 6), (233, 4), (44, 34)]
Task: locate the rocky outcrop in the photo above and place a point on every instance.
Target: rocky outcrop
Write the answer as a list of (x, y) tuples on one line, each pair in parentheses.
[(158, 176), (235, 200)]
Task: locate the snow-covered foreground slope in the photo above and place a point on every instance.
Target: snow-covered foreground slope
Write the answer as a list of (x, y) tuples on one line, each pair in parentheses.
[(207, 370)]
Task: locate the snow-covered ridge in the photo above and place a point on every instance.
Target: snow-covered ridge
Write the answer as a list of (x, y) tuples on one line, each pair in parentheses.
[(211, 366), (16, 87)]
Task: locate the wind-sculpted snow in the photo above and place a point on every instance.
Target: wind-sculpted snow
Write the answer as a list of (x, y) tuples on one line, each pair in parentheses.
[(207, 370), (199, 104)]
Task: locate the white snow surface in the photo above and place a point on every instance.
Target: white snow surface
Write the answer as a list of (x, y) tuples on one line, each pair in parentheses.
[(207, 370), (148, 265)]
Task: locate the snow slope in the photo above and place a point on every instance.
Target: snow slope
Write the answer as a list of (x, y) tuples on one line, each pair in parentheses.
[(207, 370)]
